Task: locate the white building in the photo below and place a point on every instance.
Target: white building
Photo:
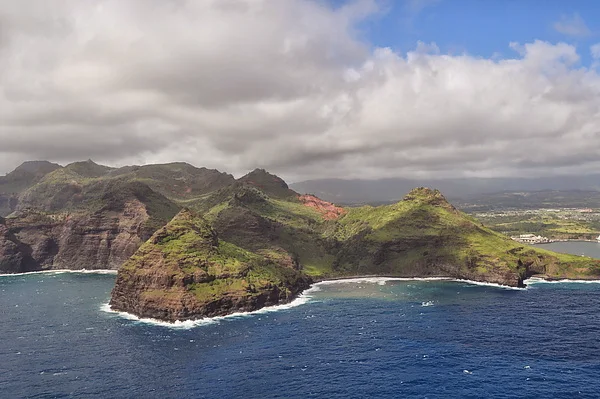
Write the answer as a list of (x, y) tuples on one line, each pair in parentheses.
[(530, 239)]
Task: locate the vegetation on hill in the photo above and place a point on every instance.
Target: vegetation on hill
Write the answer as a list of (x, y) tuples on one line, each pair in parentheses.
[(422, 235), (249, 242), (47, 187), (23, 177), (177, 180), (88, 169), (269, 184), (185, 270)]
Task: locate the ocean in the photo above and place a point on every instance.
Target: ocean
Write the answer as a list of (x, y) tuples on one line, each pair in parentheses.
[(587, 248), (372, 338)]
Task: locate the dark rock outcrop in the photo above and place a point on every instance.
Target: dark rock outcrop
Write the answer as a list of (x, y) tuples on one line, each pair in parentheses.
[(15, 257), (101, 240), (268, 183)]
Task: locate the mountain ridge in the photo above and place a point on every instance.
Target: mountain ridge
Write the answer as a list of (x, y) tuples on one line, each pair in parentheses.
[(353, 191)]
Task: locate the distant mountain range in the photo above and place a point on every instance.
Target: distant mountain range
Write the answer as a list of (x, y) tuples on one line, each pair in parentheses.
[(354, 191)]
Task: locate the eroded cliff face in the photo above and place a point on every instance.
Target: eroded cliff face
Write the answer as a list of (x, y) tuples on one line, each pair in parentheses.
[(185, 272), (327, 209), (102, 240), (14, 255)]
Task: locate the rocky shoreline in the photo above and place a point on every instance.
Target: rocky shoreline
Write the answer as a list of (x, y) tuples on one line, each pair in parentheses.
[(176, 323)]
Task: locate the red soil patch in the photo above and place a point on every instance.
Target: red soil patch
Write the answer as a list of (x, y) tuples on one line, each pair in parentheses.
[(327, 209)]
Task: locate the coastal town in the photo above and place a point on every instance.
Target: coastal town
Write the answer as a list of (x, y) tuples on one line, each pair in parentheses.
[(536, 226), (537, 239)]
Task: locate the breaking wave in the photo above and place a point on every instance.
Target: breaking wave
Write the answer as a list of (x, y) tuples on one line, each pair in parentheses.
[(383, 280), (302, 299), (61, 271), (471, 282), (537, 280), (379, 280), (188, 324)]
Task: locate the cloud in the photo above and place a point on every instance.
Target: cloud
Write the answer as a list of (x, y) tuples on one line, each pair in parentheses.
[(284, 85), (572, 25)]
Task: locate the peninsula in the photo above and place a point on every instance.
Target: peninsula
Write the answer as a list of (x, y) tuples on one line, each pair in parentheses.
[(257, 243)]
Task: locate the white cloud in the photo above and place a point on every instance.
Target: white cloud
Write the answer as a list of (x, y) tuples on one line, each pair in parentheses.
[(572, 25), (284, 85)]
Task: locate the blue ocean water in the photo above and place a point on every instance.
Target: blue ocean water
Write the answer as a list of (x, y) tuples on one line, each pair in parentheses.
[(422, 339), (587, 248)]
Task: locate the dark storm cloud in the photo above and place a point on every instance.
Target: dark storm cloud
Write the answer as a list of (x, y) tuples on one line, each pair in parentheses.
[(281, 84)]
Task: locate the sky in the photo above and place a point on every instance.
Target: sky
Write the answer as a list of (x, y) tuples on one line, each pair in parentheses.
[(305, 88)]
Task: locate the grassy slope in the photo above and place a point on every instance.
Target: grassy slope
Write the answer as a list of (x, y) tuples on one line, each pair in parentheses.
[(403, 238), (25, 176), (286, 227), (177, 181), (464, 240), (19, 180), (66, 191), (187, 246), (86, 186)]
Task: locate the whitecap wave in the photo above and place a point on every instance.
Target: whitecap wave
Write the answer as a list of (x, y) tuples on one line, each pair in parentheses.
[(383, 280), (61, 271), (302, 299), (485, 284), (379, 280), (537, 280), (426, 304)]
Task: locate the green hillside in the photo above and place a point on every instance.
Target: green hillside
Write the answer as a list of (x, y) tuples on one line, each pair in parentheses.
[(420, 236), (184, 270), (423, 234)]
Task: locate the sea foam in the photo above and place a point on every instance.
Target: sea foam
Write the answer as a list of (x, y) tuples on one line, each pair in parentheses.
[(383, 280), (537, 280), (61, 271), (188, 324), (379, 280), (302, 299), (485, 284)]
